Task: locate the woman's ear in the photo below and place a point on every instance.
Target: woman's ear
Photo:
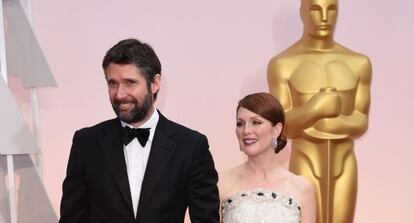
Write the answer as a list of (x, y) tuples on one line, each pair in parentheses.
[(277, 129)]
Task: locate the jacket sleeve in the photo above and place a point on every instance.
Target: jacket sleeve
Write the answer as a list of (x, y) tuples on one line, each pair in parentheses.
[(74, 204), (203, 196)]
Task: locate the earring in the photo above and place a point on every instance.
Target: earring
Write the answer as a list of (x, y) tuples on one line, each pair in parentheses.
[(274, 142)]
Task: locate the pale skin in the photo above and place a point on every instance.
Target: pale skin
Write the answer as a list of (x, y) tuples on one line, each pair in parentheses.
[(126, 82), (262, 170)]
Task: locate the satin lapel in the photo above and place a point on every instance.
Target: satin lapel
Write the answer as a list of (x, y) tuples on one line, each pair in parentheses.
[(162, 150), (112, 148)]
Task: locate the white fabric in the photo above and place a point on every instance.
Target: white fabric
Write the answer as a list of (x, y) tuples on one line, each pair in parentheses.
[(260, 206), (136, 159)]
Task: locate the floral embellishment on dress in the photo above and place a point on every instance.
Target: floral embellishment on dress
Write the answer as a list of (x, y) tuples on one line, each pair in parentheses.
[(260, 205)]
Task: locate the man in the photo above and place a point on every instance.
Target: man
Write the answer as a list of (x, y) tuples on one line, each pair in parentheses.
[(118, 173), (325, 91)]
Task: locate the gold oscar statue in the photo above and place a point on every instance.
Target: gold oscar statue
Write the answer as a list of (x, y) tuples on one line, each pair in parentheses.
[(325, 90)]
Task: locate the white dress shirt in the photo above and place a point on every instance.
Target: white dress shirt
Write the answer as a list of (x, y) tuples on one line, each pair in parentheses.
[(136, 158)]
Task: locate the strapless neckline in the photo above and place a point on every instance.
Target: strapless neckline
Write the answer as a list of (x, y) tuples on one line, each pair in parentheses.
[(261, 193), (260, 205)]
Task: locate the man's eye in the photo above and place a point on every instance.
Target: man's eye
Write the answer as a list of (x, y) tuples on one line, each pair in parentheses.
[(130, 83), (111, 83)]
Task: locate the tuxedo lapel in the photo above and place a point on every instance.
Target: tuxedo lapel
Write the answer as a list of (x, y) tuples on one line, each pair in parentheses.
[(112, 148), (162, 150)]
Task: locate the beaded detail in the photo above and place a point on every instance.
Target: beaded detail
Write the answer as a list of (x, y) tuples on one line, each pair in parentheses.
[(260, 206)]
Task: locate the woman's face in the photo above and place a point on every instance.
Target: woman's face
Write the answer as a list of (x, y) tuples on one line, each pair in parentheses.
[(254, 132)]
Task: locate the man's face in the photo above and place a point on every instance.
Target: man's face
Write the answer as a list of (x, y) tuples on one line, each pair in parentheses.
[(319, 17), (130, 96)]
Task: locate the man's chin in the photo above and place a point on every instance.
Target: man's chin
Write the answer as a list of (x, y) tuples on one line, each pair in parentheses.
[(128, 118), (124, 116)]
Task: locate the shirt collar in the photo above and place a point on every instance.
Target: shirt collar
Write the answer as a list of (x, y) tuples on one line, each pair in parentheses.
[(150, 123)]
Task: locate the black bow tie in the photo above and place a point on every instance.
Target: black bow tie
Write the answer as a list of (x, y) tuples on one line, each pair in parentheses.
[(141, 134)]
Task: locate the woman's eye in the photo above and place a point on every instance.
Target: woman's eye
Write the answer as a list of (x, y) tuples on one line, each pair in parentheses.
[(238, 124), (257, 122)]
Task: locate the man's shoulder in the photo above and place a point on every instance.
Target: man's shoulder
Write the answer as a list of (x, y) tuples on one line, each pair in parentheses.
[(180, 128), (99, 128)]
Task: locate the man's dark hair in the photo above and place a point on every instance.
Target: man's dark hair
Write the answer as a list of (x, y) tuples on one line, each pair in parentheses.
[(132, 51)]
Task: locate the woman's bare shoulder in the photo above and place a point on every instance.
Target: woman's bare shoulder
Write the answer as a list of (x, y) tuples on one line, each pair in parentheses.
[(229, 179), (302, 189), (300, 182), (234, 172)]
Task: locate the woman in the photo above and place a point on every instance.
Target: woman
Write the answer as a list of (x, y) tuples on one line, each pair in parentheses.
[(260, 189)]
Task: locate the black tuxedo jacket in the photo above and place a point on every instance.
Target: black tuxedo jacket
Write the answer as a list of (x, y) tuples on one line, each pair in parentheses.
[(180, 173)]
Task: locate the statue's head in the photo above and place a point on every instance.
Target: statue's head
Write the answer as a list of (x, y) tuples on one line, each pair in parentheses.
[(319, 17)]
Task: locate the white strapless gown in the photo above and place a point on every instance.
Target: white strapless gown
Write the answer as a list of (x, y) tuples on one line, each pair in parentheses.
[(260, 206)]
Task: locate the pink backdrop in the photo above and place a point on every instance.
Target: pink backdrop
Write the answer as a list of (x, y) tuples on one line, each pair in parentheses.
[(213, 53)]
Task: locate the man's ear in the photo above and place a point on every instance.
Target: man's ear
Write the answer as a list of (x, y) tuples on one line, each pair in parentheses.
[(156, 83)]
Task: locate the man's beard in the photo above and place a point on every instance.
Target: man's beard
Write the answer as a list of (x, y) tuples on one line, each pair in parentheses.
[(137, 113)]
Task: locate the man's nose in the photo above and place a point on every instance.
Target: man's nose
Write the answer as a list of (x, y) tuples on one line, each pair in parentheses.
[(120, 92)]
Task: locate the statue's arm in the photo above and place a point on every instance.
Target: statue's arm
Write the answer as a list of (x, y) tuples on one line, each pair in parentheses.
[(356, 123), (321, 105)]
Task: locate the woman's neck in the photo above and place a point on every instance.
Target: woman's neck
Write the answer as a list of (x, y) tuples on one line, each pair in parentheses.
[(263, 167)]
